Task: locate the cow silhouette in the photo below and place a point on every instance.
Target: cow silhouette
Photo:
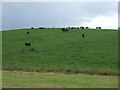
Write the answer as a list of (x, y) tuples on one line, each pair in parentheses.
[(27, 44), (83, 35), (28, 32)]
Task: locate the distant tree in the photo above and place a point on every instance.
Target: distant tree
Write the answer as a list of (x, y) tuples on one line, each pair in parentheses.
[(32, 27), (73, 27), (81, 27), (98, 28), (87, 27), (41, 27)]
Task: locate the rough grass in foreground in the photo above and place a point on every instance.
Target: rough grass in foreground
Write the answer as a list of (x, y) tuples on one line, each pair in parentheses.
[(15, 79), (55, 51)]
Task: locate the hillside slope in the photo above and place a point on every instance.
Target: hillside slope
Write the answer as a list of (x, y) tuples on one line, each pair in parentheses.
[(55, 51)]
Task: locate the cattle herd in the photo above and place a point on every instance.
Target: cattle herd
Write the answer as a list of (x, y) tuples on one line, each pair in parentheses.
[(27, 44)]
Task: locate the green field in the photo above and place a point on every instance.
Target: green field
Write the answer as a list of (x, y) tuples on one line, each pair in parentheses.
[(66, 52), (19, 79)]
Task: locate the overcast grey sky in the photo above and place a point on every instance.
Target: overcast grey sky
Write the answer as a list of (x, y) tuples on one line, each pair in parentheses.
[(59, 14)]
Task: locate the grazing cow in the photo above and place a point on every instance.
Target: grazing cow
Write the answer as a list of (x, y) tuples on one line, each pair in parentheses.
[(83, 35), (27, 32), (27, 44), (63, 29)]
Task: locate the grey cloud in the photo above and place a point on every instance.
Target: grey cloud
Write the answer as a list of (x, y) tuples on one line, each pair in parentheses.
[(119, 14), (20, 15)]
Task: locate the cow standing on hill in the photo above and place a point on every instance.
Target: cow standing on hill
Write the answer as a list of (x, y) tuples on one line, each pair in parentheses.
[(83, 35), (27, 44), (28, 32), (63, 29)]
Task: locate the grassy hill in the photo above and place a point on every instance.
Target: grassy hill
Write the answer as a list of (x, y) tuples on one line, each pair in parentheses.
[(55, 51)]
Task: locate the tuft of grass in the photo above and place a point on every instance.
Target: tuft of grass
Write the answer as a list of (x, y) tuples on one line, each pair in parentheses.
[(32, 49)]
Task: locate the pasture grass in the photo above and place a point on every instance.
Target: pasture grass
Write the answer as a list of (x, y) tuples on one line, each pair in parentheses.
[(55, 51), (19, 79)]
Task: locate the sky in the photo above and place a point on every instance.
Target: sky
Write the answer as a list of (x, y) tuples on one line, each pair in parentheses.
[(17, 15)]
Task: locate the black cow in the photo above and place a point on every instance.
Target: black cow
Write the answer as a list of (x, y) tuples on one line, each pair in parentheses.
[(63, 29), (83, 35), (27, 32), (27, 44)]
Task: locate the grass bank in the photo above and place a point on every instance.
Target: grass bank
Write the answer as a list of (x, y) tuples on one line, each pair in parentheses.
[(55, 51)]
